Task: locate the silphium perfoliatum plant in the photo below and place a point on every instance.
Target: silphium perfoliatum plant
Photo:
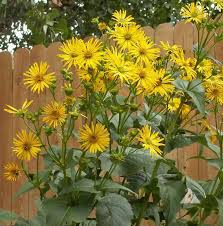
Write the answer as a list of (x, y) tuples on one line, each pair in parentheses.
[(138, 103)]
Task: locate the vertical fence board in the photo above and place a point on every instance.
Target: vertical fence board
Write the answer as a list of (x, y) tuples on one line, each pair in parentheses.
[(6, 127), (37, 54), (150, 32), (184, 36), (20, 93)]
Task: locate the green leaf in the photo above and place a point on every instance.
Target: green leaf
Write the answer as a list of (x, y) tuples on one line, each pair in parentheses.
[(28, 186), (113, 210), (112, 186), (220, 213), (133, 163), (195, 90), (60, 212), (217, 163), (196, 188), (7, 215), (171, 194)]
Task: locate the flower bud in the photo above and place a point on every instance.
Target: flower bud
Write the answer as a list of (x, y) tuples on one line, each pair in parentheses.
[(48, 130)]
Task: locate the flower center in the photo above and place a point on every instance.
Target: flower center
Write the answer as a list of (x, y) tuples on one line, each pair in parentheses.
[(88, 55), (26, 147), (159, 82), (39, 78), (93, 139), (55, 114), (15, 172), (142, 51), (128, 37), (142, 74)]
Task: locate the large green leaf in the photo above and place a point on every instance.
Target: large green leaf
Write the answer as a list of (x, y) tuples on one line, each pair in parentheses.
[(172, 193), (114, 210), (196, 188), (133, 163), (195, 90), (60, 212), (220, 213), (111, 186), (28, 186)]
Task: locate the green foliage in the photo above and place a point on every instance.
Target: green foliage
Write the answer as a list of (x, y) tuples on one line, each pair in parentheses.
[(48, 22)]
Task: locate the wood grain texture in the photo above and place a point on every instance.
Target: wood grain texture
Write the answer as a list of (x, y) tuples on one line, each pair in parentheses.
[(20, 94), (6, 97)]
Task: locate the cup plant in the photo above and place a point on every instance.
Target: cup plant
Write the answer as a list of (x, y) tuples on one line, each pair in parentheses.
[(138, 103)]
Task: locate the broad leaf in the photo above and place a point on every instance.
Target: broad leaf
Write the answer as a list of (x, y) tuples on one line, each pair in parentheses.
[(171, 194), (28, 186), (114, 210), (195, 90)]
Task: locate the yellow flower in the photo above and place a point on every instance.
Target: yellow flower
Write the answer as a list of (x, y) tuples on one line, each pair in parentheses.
[(26, 145), (117, 66), (102, 26), (20, 111), (142, 75), (12, 171), (161, 84), (144, 51), (170, 49), (54, 114), (128, 35), (38, 78), (94, 138), (186, 65), (69, 49), (84, 74), (214, 90), (185, 110), (89, 54), (218, 3), (205, 67), (174, 104), (120, 17), (99, 85), (193, 12), (150, 141)]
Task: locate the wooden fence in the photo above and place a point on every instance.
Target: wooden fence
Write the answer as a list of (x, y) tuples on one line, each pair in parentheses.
[(13, 92)]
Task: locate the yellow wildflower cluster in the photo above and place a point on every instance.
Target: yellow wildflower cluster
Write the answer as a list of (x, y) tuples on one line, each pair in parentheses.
[(127, 59)]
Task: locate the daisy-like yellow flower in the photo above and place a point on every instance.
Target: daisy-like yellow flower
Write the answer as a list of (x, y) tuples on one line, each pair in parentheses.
[(54, 114), (38, 78), (89, 54), (12, 171), (150, 141), (20, 111), (144, 51), (185, 110), (162, 84), (26, 145), (214, 90), (142, 75), (186, 65), (128, 35), (174, 104), (117, 66), (218, 3), (102, 26), (121, 18), (94, 138), (69, 51), (194, 12), (205, 67), (170, 49)]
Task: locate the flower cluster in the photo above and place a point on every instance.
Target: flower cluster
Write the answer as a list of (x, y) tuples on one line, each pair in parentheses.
[(139, 100)]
